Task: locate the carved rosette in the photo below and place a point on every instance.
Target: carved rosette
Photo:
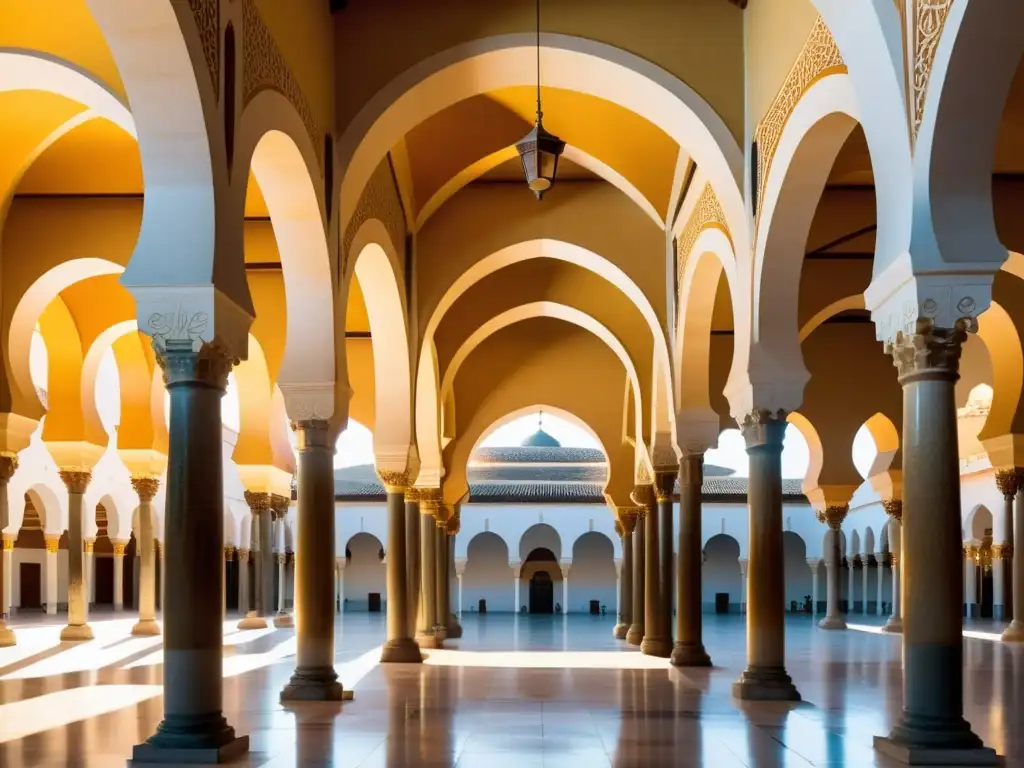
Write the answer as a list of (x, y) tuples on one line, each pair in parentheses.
[(664, 484), (76, 480), (1007, 481), (412, 495), (764, 428), (833, 515), (258, 501), (430, 499), (929, 17), (931, 352), (893, 508), (279, 504), (394, 481), (52, 544), (8, 466), (145, 487)]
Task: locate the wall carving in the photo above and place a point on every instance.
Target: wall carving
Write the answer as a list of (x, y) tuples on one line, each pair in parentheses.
[(929, 17), (818, 58), (206, 14), (263, 66), (379, 201), (706, 214)]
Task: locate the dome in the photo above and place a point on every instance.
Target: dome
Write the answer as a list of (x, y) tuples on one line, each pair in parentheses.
[(540, 439)]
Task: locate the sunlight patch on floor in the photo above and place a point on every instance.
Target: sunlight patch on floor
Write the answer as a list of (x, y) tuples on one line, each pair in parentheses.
[(974, 634), (55, 710), (545, 659)]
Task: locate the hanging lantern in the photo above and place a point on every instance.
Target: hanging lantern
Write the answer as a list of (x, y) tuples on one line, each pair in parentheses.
[(539, 150)]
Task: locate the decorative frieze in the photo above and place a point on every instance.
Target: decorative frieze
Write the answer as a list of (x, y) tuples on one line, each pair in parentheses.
[(707, 213), (206, 14), (927, 22), (380, 200)]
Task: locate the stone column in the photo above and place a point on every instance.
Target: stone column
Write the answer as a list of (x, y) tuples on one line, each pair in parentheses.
[(565, 566), (833, 516), (339, 578), (656, 641), (262, 554), (90, 578), (229, 554), (145, 543), (814, 562), (880, 573), (999, 611), (426, 636), (453, 628), (193, 729), (894, 509), (932, 729), (635, 634), (119, 548), (970, 582), (314, 678), (460, 570), (243, 582), (412, 554), (158, 551), (864, 584), (517, 570), (52, 547), (399, 646), (743, 563), (77, 627), (8, 465), (689, 648), (1015, 632), (765, 677), (664, 490), (1008, 485), (8, 566), (441, 573), (279, 506), (627, 519)]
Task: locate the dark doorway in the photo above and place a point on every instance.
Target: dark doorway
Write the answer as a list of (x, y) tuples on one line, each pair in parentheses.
[(595, 607), (104, 580), (373, 600), (31, 586), (721, 602), (482, 607), (542, 593)]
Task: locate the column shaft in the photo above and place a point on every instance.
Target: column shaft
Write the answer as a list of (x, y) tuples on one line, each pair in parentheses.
[(243, 581), (833, 572), (970, 584), (689, 648), (426, 636), (77, 628), (412, 555), (635, 635), (655, 642), (864, 586), (399, 646), (52, 547), (1015, 632), (119, 577), (145, 544), (453, 629), (626, 585), (8, 464), (440, 583), (666, 555), (814, 587)]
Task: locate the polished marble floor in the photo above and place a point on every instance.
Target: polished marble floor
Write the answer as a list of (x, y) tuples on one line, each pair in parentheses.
[(523, 692)]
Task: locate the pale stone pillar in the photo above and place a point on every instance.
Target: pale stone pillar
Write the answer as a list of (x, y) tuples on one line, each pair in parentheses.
[(259, 506), (970, 582), (743, 563), (426, 634), (77, 627), (1015, 632), (158, 550), (399, 646), (145, 543), (635, 634), (412, 554), (90, 571), (998, 582), (454, 628), (119, 547), (8, 566), (689, 648), (441, 573), (243, 582), (52, 547), (339, 577), (460, 570), (765, 677), (565, 566), (655, 642), (314, 678), (1007, 483), (931, 728), (283, 620), (864, 585), (8, 465), (833, 516), (894, 509), (617, 562), (627, 519), (814, 562), (229, 555), (517, 569), (664, 489), (880, 574)]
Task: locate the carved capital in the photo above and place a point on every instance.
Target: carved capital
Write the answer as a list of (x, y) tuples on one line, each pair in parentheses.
[(833, 515), (643, 495), (762, 428), (119, 548), (8, 544), (931, 352), (1002, 551), (76, 480), (90, 546), (441, 515), (182, 363), (394, 482), (618, 529), (412, 495), (627, 519), (1007, 481), (313, 435), (243, 555), (145, 487), (258, 501), (229, 554), (8, 466), (52, 544), (430, 498), (893, 508), (664, 483), (279, 504), (454, 526), (281, 558)]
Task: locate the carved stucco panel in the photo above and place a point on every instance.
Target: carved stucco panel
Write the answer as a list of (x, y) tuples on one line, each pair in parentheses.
[(928, 20), (206, 14), (379, 201)]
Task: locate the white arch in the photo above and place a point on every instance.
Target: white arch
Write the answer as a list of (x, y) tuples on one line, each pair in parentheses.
[(840, 305), (91, 364), (547, 534), (531, 409), (570, 63)]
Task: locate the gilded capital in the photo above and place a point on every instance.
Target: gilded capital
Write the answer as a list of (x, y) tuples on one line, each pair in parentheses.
[(8, 544), (1007, 481), (229, 554), (412, 495), (893, 508), (76, 480), (258, 501), (643, 495), (8, 466), (627, 519), (52, 544), (833, 515), (119, 548), (243, 554), (619, 530), (762, 428), (183, 364), (441, 515), (394, 482), (1002, 551), (453, 526), (313, 435), (664, 483), (90, 546), (931, 352), (279, 504), (145, 487), (430, 498)]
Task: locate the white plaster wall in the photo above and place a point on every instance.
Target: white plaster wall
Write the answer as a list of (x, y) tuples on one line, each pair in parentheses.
[(721, 572), (38, 556), (798, 582), (978, 488), (487, 575), (364, 573), (592, 575), (511, 521), (350, 519)]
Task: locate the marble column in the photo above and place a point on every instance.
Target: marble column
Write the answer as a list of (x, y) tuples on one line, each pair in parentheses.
[(259, 506), (1015, 632), (517, 570), (656, 641), (765, 678), (1008, 485), (864, 584), (454, 627), (90, 575), (52, 547), (8, 466), (880, 574), (999, 611), (460, 570), (279, 506), (932, 729), (229, 554), (314, 678), (193, 729), (412, 554), (399, 646), (441, 598), (664, 490), (145, 543), (565, 566), (970, 566), (689, 648), (833, 516), (426, 634), (77, 627), (814, 562), (244, 601), (743, 563), (627, 519), (8, 566), (339, 583), (635, 634), (119, 548)]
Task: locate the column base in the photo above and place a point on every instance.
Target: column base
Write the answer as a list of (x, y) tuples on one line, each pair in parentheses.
[(427, 640), (403, 651), (313, 684), (928, 756), (146, 628), (619, 633), (687, 655), (252, 621), (651, 646), (765, 684), (454, 628), (76, 633), (635, 634), (7, 638), (283, 621), (832, 622), (917, 740), (191, 740), (1014, 633), (894, 625)]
